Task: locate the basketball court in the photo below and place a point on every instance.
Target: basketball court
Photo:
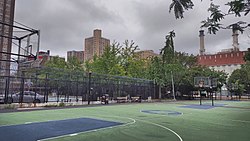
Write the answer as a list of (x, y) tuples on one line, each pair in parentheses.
[(160, 121)]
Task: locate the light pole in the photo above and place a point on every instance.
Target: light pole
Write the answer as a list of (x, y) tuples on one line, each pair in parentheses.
[(173, 85), (89, 88)]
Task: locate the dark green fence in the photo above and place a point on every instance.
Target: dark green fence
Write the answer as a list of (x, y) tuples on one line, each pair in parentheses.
[(66, 86)]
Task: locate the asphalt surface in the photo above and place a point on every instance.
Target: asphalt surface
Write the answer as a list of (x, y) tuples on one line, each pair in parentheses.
[(43, 130)]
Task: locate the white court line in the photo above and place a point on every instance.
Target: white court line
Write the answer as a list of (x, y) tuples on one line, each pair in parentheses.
[(73, 134), (28, 122), (94, 130), (244, 121), (18, 124), (163, 128)]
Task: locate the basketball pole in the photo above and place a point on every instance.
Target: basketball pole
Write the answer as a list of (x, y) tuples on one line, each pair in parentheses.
[(212, 99), (200, 96), (201, 83), (212, 95)]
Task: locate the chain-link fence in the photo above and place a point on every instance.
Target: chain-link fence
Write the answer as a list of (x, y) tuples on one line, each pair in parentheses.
[(56, 85)]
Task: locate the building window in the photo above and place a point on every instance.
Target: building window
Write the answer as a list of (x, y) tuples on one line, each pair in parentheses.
[(232, 55)]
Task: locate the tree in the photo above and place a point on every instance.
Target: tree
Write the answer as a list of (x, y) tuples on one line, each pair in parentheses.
[(136, 68), (238, 81), (247, 56), (128, 56), (156, 72), (179, 6), (74, 64), (243, 76), (167, 51), (119, 60), (212, 23), (56, 62), (185, 59), (108, 62), (59, 69)]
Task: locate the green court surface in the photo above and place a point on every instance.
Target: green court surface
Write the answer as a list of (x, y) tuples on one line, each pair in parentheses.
[(230, 121)]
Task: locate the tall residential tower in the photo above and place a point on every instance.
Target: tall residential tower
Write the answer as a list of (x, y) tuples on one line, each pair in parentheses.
[(95, 45)]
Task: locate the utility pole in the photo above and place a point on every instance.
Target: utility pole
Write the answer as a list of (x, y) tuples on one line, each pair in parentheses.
[(38, 42), (173, 85)]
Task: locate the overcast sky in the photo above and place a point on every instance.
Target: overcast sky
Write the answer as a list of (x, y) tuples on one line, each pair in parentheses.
[(64, 24)]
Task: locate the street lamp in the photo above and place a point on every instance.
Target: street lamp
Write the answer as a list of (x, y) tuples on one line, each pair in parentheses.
[(173, 91)]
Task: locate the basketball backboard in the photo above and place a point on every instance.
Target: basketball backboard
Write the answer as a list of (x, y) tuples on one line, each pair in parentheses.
[(201, 82)]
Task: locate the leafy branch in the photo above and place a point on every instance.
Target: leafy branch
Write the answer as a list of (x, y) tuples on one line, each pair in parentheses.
[(212, 23)]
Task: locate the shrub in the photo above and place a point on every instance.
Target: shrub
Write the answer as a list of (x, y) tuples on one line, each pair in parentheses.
[(51, 105), (10, 106), (61, 104)]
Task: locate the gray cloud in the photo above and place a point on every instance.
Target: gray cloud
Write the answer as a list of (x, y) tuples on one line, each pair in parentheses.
[(157, 22), (65, 23)]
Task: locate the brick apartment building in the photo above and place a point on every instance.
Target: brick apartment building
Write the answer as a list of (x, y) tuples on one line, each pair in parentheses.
[(146, 54), (78, 54), (95, 45)]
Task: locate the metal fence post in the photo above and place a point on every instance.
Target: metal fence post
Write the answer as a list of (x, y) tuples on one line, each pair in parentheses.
[(89, 92), (6, 94), (21, 89)]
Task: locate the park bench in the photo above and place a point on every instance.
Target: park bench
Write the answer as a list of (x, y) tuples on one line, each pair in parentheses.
[(122, 99), (135, 99)]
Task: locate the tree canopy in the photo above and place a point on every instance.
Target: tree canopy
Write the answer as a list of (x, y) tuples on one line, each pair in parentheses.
[(119, 59), (123, 60), (237, 8)]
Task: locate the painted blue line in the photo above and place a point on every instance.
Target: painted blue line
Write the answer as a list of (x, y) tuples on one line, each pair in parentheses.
[(205, 106)]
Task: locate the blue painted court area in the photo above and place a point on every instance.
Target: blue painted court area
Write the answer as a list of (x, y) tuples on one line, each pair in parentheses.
[(204, 106), (162, 112), (43, 130)]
